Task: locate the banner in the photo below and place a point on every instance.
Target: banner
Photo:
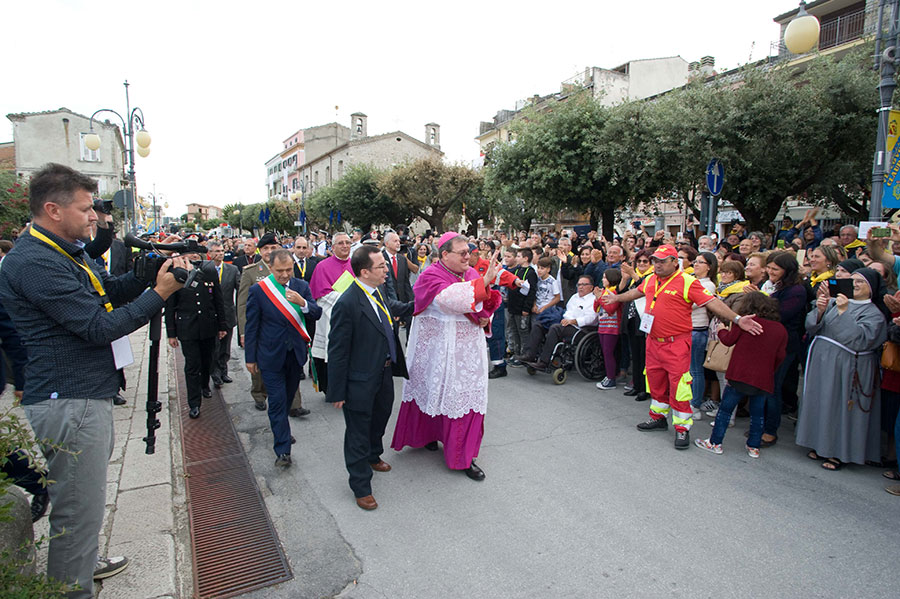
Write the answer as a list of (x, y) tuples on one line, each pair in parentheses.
[(891, 194)]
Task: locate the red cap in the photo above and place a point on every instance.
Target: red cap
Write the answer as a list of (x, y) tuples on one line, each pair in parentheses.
[(665, 251)]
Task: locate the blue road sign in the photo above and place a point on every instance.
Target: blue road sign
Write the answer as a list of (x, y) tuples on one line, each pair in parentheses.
[(715, 176)]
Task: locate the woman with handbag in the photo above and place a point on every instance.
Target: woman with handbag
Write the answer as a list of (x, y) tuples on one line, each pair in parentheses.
[(840, 415), (751, 370)]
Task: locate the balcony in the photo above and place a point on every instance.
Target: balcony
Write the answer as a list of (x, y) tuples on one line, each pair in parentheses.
[(835, 31)]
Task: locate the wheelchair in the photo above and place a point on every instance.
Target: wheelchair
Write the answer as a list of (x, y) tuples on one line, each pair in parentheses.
[(582, 353)]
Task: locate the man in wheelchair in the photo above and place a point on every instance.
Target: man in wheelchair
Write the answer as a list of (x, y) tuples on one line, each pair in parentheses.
[(579, 313)]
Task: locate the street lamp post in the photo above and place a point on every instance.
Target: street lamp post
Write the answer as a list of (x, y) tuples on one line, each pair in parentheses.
[(802, 35), (141, 138)]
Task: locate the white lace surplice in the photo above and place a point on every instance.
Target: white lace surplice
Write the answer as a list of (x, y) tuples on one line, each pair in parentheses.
[(323, 325), (448, 364)]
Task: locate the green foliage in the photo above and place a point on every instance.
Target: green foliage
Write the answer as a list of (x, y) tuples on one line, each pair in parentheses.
[(430, 189), (14, 210), (358, 197), (210, 224)]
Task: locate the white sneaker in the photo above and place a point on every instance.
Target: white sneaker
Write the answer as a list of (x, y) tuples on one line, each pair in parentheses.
[(709, 405), (730, 422), (606, 384), (712, 413), (697, 415)]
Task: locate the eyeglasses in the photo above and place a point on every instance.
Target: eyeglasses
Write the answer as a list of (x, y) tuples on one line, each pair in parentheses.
[(643, 261), (585, 284), (462, 253)]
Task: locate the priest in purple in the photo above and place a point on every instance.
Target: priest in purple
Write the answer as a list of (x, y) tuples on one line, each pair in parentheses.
[(445, 397), (324, 276)]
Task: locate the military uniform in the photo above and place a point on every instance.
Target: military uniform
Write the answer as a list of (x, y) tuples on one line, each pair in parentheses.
[(195, 315), (251, 275)]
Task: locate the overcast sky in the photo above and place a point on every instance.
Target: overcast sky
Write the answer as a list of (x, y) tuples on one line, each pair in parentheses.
[(220, 89)]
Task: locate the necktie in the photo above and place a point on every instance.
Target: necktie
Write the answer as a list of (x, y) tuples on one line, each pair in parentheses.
[(394, 263), (388, 330)]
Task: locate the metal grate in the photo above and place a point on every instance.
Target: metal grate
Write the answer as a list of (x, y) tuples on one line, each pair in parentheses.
[(233, 542)]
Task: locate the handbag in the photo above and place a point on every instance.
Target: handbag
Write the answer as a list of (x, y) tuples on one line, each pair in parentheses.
[(890, 356), (718, 355)]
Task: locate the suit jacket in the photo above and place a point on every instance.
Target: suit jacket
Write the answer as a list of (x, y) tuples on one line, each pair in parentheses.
[(196, 312), (268, 335), (242, 261), (229, 286), (306, 275), (357, 347), (252, 274), (400, 283)]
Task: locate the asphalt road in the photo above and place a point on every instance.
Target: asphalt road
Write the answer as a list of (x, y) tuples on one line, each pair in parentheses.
[(576, 503)]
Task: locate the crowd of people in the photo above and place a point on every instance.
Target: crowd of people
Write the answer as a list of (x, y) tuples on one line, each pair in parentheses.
[(790, 324)]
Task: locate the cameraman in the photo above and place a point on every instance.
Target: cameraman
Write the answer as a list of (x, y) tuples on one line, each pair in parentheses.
[(61, 304)]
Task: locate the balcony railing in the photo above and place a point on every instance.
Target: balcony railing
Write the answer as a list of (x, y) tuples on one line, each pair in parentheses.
[(835, 32)]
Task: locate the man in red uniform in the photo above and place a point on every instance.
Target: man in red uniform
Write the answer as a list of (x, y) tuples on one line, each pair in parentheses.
[(671, 295)]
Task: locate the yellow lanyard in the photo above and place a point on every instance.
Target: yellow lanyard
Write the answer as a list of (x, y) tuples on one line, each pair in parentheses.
[(377, 303), (220, 269), (659, 289), (94, 280), (302, 269)]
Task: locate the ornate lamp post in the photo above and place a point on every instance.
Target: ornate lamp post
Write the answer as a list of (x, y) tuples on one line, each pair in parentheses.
[(140, 137), (802, 35)]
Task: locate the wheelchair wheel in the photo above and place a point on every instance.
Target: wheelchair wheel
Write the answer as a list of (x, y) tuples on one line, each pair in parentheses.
[(589, 357), (530, 370), (559, 376)]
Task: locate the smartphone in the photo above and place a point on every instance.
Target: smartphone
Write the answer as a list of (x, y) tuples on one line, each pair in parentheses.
[(780, 244), (836, 286), (880, 232)]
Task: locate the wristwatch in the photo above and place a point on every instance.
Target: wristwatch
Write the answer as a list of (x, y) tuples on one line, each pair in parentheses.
[(737, 317)]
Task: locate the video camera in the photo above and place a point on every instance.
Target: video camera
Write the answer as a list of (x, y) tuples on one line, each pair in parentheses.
[(104, 206), (148, 263)]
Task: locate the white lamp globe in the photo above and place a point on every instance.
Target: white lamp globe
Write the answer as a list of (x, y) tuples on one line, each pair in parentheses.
[(92, 141)]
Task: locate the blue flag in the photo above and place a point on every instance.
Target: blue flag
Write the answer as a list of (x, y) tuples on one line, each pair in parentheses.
[(262, 216)]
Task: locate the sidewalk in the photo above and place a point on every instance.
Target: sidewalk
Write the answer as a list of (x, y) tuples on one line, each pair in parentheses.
[(146, 517)]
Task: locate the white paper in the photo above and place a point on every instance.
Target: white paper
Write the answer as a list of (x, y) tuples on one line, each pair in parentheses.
[(122, 355), (646, 323), (868, 224)]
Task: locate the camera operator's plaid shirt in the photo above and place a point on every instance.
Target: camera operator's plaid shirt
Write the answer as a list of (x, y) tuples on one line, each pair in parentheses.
[(61, 319)]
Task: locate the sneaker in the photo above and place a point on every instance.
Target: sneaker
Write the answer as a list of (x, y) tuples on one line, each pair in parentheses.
[(629, 387), (705, 444), (109, 566), (654, 425), (606, 384), (514, 363), (709, 405), (730, 422), (682, 439), (497, 372), (39, 505), (697, 414), (283, 461), (712, 413), (753, 452)]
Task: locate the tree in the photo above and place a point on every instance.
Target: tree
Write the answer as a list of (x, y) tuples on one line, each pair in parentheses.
[(14, 209), (429, 188), (557, 161), (359, 199), (210, 224)]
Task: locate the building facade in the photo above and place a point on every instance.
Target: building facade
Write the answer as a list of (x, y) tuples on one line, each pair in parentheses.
[(203, 212), (58, 136), (283, 179)]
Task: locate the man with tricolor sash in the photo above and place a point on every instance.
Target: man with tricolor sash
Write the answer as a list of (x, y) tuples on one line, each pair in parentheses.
[(276, 342)]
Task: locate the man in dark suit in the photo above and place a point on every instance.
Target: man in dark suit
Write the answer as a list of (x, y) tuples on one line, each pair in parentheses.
[(364, 353), (398, 268), (304, 261), (276, 342), (228, 276), (248, 257), (195, 317)]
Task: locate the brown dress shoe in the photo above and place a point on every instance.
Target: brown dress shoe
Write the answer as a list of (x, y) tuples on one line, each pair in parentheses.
[(381, 466), (367, 502)]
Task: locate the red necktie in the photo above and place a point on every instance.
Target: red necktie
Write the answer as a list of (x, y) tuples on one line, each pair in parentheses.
[(394, 263)]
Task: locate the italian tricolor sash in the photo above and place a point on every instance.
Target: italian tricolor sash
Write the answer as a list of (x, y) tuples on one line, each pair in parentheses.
[(276, 293)]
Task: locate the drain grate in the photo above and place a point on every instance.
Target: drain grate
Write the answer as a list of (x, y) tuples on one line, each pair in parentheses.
[(233, 542)]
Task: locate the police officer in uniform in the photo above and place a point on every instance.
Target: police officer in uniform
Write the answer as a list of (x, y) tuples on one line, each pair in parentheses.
[(195, 318)]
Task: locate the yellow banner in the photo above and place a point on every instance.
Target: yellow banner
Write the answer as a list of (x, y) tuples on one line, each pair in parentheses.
[(893, 131)]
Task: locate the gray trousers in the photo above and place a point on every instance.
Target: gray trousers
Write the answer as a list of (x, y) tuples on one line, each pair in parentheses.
[(518, 329), (67, 427)]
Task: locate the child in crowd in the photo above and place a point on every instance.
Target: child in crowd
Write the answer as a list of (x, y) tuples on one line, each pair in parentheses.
[(546, 302), (519, 306), (608, 325), (751, 371)]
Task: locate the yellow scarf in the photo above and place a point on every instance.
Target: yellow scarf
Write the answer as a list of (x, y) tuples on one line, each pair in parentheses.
[(856, 243), (689, 270), (736, 287), (640, 274), (816, 279)]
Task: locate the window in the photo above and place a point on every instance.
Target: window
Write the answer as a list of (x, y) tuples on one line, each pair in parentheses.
[(89, 155), (327, 175), (340, 168), (316, 178), (101, 186)]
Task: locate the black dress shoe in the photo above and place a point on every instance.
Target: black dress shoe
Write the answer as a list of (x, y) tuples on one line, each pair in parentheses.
[(217, 383), (39, 506), (227, 379), (206, 393), (433, 446), (496, 372), (194, 413), (302, 376), (298, 412), (642, 397), (293, 440), (118, 400), (631, 393), (474, 472)]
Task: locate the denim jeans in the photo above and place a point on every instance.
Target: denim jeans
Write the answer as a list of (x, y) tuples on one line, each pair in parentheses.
[(730, 399), (773, 401), (497, 341), (698, 356)]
